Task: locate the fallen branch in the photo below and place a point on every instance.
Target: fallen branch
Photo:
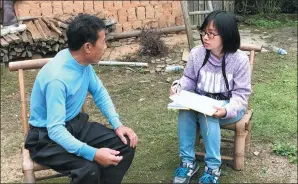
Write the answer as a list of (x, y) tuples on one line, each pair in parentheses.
[(137, 33)]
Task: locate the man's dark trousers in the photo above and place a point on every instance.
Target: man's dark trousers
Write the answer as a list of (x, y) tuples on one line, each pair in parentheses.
[(46, 152)]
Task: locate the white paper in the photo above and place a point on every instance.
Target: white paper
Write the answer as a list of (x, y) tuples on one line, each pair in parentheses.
[(175, 105), (197, 102)]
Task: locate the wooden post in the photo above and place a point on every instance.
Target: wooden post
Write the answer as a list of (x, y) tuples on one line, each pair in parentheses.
[(23, 102), (251, 60), (217, 5), (196, 8), (229, 6), (239, 149), (209, 6), (248, 136), (201, 7), (189, 32)]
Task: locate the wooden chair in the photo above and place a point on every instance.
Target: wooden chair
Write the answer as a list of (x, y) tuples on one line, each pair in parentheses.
[(242, 128), (28, 166)]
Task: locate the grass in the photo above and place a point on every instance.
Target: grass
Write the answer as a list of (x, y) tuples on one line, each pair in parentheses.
[(286, 149), (274, 102), (275, 93), (272, 20)]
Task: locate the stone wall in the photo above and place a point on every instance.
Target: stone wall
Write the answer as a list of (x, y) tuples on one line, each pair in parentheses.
[(130, 15)]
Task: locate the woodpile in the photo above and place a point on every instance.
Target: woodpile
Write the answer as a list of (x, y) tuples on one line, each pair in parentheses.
[(44, 35)]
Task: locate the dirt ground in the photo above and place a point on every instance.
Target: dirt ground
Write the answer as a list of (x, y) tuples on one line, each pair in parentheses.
[(11, 138)]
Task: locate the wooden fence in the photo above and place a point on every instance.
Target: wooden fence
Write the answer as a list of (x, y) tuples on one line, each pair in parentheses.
[(200, 5)]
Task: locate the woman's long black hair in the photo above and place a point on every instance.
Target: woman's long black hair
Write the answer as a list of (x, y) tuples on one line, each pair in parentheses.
[(227, 28)]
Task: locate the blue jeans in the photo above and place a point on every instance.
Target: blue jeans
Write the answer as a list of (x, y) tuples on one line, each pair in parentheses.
[(210, 131)]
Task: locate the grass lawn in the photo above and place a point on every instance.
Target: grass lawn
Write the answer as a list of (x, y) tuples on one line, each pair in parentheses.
[(141, 100)]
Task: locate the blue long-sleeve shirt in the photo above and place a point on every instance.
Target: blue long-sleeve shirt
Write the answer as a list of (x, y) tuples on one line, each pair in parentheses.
[(58, 94)]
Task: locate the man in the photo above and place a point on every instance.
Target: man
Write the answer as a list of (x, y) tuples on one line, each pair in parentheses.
[(61, 137)]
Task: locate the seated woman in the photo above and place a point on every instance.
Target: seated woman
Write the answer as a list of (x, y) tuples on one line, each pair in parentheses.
[(220, 71)]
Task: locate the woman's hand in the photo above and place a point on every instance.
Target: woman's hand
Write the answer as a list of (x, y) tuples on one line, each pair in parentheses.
[(220, 112), (175, 88)]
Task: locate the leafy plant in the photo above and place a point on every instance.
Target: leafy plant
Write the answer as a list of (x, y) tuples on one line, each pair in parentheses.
[(286, 149), (270, 20), (251, 7)]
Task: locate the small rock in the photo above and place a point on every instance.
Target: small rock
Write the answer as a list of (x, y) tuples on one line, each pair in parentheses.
[(152, 61), (152, 71), (169, 79), (172, 55), (141, 99), (146, 71), (145, 81), (157, 60), (256, 153), (158, 69), (176, 60), (161, 66), (128, 71), (115, 44), (169, 61)]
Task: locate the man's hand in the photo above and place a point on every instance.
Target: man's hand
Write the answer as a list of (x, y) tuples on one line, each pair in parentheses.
[(220, 112), (122, 131), (107, 156)]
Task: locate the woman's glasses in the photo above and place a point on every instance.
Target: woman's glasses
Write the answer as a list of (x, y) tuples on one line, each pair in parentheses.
[(210, 35)]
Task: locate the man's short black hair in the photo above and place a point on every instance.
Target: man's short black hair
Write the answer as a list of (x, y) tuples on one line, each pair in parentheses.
[(84, 28), (226, 25)]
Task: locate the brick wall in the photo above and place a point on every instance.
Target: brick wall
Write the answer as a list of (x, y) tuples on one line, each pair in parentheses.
[(130, 15)]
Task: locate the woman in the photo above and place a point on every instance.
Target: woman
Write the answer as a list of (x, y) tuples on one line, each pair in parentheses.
[(220, 71)]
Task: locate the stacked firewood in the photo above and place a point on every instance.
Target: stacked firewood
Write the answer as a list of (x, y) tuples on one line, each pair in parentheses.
[(44, 35)]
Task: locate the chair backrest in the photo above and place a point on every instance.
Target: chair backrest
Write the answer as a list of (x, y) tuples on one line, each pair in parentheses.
[(252, 49), (21, 66)]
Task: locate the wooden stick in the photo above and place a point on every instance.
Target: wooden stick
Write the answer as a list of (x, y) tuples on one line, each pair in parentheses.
[(27, 64), (251, 60), (187, 23), (249, 47), (39, 63), (201, 154), (122, 63), (23, 102)]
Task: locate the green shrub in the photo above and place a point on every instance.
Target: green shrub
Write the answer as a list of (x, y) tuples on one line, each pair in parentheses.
[(286, 149)]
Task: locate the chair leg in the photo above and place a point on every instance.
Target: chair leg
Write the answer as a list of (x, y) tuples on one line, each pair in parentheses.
[(239, 151), (247, 139), (29, 176)]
